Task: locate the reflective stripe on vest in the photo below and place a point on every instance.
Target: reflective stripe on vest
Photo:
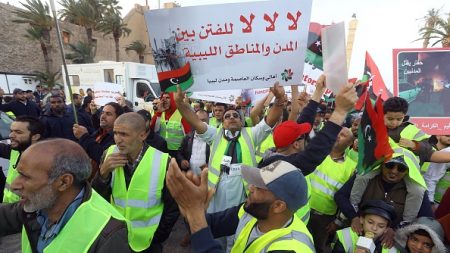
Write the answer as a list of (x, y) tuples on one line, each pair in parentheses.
[(413, 165), (141, 202), (348, 239), (218, 149), (88, 221), (263, 147), (8, 195), (441, 187), (411, 132), (172, 130), (326, 180), (293, 237)]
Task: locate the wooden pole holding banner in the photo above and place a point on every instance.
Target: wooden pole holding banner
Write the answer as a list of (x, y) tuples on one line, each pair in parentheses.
[(61, 48)]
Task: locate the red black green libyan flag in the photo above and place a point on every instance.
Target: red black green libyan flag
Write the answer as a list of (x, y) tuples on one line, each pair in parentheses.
[(168, 80), (372, 74), (373, 139)]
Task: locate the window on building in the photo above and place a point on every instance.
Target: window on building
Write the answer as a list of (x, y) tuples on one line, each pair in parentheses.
[(66, 37), (74, 80)]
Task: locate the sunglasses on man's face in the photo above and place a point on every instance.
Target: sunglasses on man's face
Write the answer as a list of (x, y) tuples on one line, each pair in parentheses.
[(234, 114), (400, 168)]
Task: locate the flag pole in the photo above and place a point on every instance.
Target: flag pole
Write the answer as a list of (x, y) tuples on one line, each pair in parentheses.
[(61, 48)]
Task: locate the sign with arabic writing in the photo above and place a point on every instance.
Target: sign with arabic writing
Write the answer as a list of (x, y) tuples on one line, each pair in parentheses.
[(232, 46), (219, 96), (422, 77)]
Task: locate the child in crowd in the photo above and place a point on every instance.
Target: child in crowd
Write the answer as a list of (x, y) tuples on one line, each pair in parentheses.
[(425, 235), (375, 216)]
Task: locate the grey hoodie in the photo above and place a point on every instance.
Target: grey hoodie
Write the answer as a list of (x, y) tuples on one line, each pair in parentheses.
[(433, 228)]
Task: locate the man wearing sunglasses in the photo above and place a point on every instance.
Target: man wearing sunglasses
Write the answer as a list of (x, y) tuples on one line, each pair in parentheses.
[(392, 181), (231, 144)]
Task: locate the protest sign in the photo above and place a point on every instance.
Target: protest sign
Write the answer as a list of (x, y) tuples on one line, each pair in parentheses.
[(334, 56), (230, 46), (422, 77), (226, 97), (106, 92)]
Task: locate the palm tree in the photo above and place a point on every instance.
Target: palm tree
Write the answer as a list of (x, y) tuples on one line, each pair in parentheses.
[(435, 28), (35, 33), (112, 23), (37, 15), (48, 79), (81, 53), (139, 47), (83, 13)]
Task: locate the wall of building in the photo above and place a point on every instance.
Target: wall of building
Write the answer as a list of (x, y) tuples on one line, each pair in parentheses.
[(22, 55)]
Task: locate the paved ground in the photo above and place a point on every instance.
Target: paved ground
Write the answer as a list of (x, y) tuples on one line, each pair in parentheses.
[(172, 245)]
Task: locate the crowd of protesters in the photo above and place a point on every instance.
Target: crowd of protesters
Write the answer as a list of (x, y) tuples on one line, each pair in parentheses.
[(276, 175)]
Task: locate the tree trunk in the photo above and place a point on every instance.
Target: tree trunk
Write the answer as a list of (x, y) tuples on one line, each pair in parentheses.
[(47, 60), (45, 47), (116, 42), (141, 58), (90, 41)]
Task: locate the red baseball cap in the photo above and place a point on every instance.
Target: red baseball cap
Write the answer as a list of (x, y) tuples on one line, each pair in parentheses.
[(287, 132)]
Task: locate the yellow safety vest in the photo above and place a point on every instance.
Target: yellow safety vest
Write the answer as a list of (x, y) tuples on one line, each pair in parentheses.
[(411, 132), (263, 147), (87, 222), (8, 195), (425, 165), (294, 237), (11, 114), (348, 239), (326, 180), (352, 154), (214, 123), (219, 146), (172, 130), (141, 203), (413, 164)]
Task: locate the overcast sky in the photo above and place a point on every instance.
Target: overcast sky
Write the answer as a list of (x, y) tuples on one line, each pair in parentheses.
[(383, 24)]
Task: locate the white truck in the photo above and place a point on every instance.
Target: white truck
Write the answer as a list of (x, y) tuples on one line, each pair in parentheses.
[(11, 81), (139, 81)]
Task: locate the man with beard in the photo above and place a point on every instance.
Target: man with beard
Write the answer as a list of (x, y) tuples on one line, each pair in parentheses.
[(131, 176), (264, 223), (58, 120), (96, 143), (59, 211), (25, 130)]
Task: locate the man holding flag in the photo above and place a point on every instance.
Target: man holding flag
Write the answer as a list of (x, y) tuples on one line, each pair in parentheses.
[(382, 172)]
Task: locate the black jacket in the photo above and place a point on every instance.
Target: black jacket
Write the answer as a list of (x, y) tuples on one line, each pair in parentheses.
[(61, 126), (19, 108), (93, 149), (316, 150), (185, 151)]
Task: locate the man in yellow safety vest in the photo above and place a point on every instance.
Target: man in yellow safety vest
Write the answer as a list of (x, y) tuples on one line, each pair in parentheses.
[(59, 211)]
